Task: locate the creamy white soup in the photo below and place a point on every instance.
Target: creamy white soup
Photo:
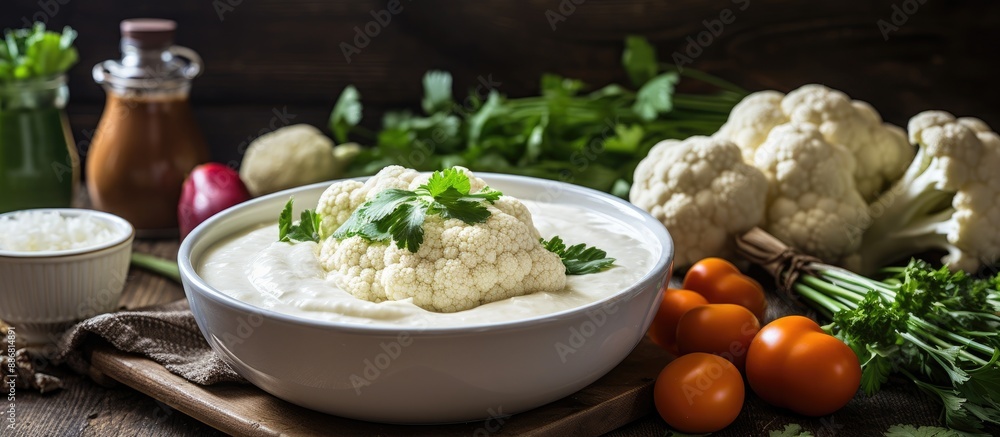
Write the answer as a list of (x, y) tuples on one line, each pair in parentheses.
[(287, 278)]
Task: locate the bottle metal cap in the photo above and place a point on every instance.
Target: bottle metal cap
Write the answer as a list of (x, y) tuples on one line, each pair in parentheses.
[(149, 33)]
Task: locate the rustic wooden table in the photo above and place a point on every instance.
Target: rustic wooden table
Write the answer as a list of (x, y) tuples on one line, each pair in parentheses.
[(87, 408)]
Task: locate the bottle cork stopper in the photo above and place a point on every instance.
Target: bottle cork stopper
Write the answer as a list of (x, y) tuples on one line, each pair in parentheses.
[(149, 33)]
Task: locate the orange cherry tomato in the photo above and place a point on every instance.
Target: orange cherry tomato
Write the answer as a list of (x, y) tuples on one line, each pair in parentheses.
[(721, 282), (793, 364), (699, 393), (721, 329), (676, 302)]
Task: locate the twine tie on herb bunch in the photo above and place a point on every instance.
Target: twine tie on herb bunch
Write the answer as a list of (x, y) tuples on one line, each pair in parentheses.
[(782, 262)]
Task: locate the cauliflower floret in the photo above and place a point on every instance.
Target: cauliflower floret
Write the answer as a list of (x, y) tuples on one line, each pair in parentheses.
[(340, 199), (337, 203), (811, 198), (948, 199), (267, 165), (880, 149), (457, 267), (703, 192), (752, 119)]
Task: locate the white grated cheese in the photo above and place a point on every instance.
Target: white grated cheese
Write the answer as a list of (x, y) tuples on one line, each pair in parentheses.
[(34, 231)]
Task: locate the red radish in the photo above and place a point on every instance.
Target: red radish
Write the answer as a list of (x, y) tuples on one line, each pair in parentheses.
[(210, 188)]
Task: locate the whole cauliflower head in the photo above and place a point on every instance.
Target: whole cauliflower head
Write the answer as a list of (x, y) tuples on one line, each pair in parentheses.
[(970, 154), (948, 199), (703, 192), (880, 150), (289, 157), (457, 267), (812, 202)]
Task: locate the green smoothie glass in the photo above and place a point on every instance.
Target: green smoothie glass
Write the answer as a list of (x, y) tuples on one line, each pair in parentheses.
[(39, 165)]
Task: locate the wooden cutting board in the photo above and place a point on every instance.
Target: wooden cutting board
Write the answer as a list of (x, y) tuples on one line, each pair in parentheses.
[(621, 396)]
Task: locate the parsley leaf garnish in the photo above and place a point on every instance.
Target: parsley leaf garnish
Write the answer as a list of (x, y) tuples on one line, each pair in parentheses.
[(399, 214), (579, 259), (307, 229)]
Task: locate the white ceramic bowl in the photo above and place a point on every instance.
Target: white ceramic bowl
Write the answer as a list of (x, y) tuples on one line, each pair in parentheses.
[(433, 375), (44, 292)]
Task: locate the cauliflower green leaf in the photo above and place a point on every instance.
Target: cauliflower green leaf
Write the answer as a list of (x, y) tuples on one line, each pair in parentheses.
[(399, 215)]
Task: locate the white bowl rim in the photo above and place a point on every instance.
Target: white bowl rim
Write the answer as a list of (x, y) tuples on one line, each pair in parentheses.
[(663, 263), (118, 222)]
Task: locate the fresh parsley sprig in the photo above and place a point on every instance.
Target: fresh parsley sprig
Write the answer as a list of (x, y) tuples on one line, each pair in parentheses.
[(579, 259), (935, 327), (307, 229), (399, 215)]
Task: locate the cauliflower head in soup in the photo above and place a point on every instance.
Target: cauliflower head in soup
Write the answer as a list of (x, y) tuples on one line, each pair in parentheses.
[(457, 265)]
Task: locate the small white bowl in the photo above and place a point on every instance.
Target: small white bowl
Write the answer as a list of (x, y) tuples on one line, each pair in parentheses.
[(434, 374), (44, 292)]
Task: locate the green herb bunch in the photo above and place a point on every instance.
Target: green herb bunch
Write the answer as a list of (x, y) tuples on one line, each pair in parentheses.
[(591, 138), (936, 327), (36, 53)]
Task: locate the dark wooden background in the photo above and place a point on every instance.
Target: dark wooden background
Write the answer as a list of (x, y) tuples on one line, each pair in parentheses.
[(268, 56)]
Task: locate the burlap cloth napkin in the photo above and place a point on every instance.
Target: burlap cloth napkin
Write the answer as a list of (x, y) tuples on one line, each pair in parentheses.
[(166, 334)]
